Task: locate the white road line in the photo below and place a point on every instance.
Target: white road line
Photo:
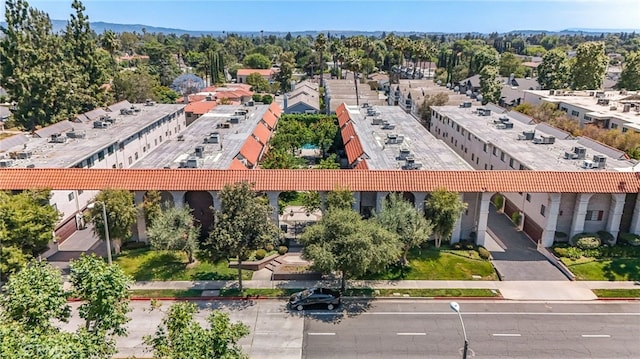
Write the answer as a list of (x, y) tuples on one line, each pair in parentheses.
[(507, 335), (596, 336), (321, 334), (412, 334), (507, 313)]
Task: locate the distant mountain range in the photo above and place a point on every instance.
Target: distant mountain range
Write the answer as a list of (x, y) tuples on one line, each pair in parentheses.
[(100, 27)]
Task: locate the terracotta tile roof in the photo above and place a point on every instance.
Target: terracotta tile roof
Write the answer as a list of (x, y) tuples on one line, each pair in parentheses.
[(322, 180), (270, 119), (348, 132), (262, 133), (200, 108), (362, 165), (343, 118), (192, 98), (354, 150), (341, 108), (251, 150), (275, 109), (236, 164), (262, 72)]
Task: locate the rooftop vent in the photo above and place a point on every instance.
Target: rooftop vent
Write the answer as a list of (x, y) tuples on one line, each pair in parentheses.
[(404, 154), (199, 151), (603, 101), (577, 153), (411, 164), (234, 119), (600, 161), (544, 140), (58, 138), (23, 155), (214, 137), (393, 138), (527, 135), (388, 126), (180, 138), (77, 134), (191, 162), (484, 112), (149, 102), (100, 124), (6, 163), (466, 104), (377, 121)]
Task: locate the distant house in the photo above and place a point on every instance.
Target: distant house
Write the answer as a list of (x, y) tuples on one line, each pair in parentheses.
[(512, 89), (305, 98), (196, 109), (267, 74)]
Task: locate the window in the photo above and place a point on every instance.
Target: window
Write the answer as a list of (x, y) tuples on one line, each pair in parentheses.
[(614, 126), (484, 147), (528, 197), (542, 209), (473, 157), (100, 155), (511, 162), (492, 167), (110, 150), (502, 156), (136, 156), (624, 129), (130, 160), (521, 167), (594, 216), (80, 192), (575, 113), (71, 196), (495, 151), (485, 166)]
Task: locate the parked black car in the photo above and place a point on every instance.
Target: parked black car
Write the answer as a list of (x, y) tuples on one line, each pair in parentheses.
[(321, 297)]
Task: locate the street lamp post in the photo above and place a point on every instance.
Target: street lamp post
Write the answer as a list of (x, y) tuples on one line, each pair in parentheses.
[(456, 308), (106, 227)]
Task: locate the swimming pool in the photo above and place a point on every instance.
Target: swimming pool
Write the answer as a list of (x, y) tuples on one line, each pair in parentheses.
[(309, 146)]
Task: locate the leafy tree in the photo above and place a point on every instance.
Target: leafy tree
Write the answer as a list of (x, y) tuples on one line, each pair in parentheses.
[(242, 225), (27, 221), (324, 133), (329, 163), (180, 335), (257, 61), (490, 85), (400, 216), (630, 75), (342, 241), (163, 94), (161, 62), (287, 63), (121, 215), (280, 159), (259, 83), (554, 71), (134, 86), (340, 198), (511, 64), (34, 297), (443, 209), (439, 99), (174, 229), (311, 201), (590, 66), (152, 206), (104, 291)]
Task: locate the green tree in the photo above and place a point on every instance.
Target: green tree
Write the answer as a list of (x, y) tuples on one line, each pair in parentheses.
[(330, 163), (630, 75), (439, 99), (174, 229), (324, 133), (163, 94), (287, 63), (400, 216), (490, 85), (162, 63), (342, 241), (121, 215), (511, 64), (180, 335), (590, 66), (134, 86), (243, 224), (152, 206), (340, 198), (554, 71), (311, 201), (443, 209), (259, 83), (257, 61), (320, 45), (104, 291)]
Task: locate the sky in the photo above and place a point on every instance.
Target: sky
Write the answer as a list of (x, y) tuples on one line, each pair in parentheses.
[(301, 15)]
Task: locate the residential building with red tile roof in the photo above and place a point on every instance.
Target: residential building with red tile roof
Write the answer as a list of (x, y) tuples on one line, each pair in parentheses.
[(196, 109), (267, 74)]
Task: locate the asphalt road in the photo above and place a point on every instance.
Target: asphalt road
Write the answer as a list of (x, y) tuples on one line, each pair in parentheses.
[(415, 329)]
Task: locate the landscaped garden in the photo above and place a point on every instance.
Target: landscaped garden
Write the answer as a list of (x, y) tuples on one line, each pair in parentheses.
[(589, 259)]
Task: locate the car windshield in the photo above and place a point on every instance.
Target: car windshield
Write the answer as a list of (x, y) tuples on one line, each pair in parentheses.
[(305, 293)]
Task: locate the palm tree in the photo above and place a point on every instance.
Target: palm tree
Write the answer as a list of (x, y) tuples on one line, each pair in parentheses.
[(354, 64), (109, 42), (320, 45)]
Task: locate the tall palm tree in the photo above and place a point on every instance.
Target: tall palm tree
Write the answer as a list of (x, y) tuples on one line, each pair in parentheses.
[(320, 45)]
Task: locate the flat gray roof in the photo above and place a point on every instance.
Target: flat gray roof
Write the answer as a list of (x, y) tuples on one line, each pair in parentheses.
[(45, 154), (539, 157), (431, 152), (216, 155)]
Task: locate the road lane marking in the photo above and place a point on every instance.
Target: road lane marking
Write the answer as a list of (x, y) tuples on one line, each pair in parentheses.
[(411, 334), (506, 335), (596, 336), (321, 334), (506, 313)]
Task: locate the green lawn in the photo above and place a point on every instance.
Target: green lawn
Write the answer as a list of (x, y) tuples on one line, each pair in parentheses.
[(165, 293), (443, 264), (617, 293), (368, 292), (147, 265), (617, 269)]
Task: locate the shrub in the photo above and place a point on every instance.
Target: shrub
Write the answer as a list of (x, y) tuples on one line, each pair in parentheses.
[(133, 245), (484, 253), (456, 245), (260, 254), (629, 239), (515, 218), (574, 252), (497, 201), (469, 246), (605, 237), (560, 251), (588, 242), (282, 250), (269, 247)]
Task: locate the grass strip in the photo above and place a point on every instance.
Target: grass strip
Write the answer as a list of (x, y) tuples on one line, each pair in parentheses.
[(617, 293), (368, 292), (165, 293)]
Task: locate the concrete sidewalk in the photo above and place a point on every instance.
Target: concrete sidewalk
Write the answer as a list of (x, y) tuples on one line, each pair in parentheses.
[(512, 290)]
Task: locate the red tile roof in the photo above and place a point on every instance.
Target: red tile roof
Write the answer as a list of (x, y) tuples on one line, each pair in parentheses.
[(262, 133), (270, 119), (200, 108), (236, 164), (354, 150), (262, 72), (192, 98), (343, 118), (362, 165), (322, 180), (348, 132), (275, 109), (251, 150), (341, 108)]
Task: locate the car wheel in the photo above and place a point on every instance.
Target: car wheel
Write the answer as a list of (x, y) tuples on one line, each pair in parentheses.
[(330, 306), (299, 307)]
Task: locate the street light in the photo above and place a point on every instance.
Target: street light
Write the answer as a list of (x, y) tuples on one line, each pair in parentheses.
[(106, 227), (456, 308)]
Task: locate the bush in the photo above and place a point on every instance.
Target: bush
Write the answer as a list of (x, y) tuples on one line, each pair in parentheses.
[(497, 201), (560, 251), (484, 253), (282, 250), (260, 254), (574, 253), (456, 245), (515, 218), (269, 247), (469, 246), (133, 245), (629, 239), (605, 237), (588, 242)]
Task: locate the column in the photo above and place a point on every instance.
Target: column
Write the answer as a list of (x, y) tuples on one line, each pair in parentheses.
[(178, 198), (356, 202), (483, 217), (141, 223), (419, 200), (273, 201), (635, 219), (549, 231), (323, 201), (615, 214), (579, 213), (456, 234), (217, 203), (380, 197)]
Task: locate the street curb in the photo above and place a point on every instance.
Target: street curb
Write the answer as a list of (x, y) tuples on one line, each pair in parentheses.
[(632, 299), (284, 298)]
